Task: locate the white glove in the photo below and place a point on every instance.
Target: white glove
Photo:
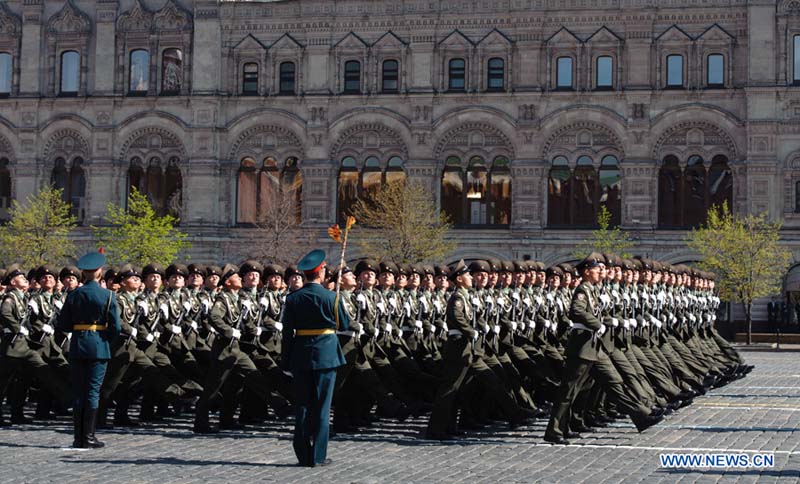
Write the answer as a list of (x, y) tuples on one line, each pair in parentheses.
[(381, 306), (164, 309), (527, 301), (387, 327), (176, 329), (279, 326), (634, 323), (393, 302), (601, 331), (150, 338), (361, 300), (614, 322), (547, 324), (522, 326), (645, 322), (476, 301), (424, 303), (374, 331), (134, 332), (438, 305), (33, 307), (194, 325), (247, 304), (206, 305), (713, 317), (187, 306), (444, 327), (361, 332), (23, 331), (46, 328), (143, 306), (626, 323), (475, 336), (513, 325), (515, 297), (657, 323), (407, 307), (69, 336), (259, 330), (496, 329), (236, 334), (264, 302), (418, 324)]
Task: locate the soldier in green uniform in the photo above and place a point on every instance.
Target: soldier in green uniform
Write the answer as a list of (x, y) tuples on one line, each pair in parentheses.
[(16, 355), (90, 313)]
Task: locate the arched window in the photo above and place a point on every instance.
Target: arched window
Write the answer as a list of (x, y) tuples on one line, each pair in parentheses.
[(496, 74), (136, 178), (173, 189), (686, 195), (347, 192), (675, 71), (268, 189), (670, 193), (610, 188), (292, 186), (456, 75), (500, 193), (558, 190), (453, 190), (71, 180), (287, 79), (575, 196), (390, 77), (604, 72), (371, 178), (250, 78), (154, 186), (6, 73), (715, 71), (720, 182), (395, 173), (70, 72), (5, 188), (139, 75), (171, 71), (352, 77), (564, 73), (584, 187), (247, 196), (695, 202), (479, 195)]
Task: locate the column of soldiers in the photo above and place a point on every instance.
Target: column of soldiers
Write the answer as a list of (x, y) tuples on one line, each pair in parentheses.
[(472, 344)]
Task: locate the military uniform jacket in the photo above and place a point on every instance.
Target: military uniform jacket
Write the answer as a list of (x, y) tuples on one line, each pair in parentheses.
[(584, 312), (174, 305), (90, 304), (13, 318), (225, 316), (43, 309), (271, 309), (459, 313), (312, 308), (128, 314)]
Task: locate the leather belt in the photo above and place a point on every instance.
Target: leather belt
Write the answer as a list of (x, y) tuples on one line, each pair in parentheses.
[(582, 326), (313, 332), (454, 332), (89, 327)]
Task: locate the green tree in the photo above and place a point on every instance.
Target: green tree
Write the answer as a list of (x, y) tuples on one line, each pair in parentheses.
[(401, 223), (745, 254), (606, 239), (38, 231), (138, 236)]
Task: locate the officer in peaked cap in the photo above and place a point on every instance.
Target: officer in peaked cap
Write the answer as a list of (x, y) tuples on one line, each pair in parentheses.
[(312, 353), (90, 313)]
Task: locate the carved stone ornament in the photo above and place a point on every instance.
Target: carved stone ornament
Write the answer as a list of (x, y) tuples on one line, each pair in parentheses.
[(697, 134), (69, 20), (473, 135), (146, 141), (10, 24), (262, 140), (369, 136), (68, 143), (137, 19), (6, 151), (582, 135), (172, 17)]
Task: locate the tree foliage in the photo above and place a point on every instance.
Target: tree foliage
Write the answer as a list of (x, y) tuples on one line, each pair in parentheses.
[(606, 239), (402, 223), (38, 230), (745, 254), (278, 236), (137, 235)]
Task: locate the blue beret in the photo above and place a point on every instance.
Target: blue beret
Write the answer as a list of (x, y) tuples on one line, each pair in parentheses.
[(311, 261), (92, 261)]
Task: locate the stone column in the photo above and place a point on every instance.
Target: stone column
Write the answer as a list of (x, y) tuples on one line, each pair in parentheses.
[(31, 65), (206, 48), (105, 40)]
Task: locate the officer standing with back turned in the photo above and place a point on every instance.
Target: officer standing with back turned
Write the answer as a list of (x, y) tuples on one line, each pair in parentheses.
[(90, 313)]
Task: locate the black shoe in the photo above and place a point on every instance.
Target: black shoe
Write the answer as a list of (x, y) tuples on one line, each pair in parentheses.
[(435, 436), (21, 419), (89, 425), (125, 421), (558, 440), (596, 423), (520, 422), (78, 441), (403, 413), (204, 429), (573, 435), (327, 462), (581, 428), (656, 411), (230, 425), (644, 423)]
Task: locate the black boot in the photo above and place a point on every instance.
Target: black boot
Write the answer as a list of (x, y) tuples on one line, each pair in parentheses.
[(89, 422), (102, 416), (78, 442)]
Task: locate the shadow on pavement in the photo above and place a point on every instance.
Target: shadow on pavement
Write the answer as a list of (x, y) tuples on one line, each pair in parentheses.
[(175, 461)]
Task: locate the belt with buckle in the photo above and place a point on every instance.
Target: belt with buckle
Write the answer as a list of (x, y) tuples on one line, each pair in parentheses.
[(89, 327), (313, 332)]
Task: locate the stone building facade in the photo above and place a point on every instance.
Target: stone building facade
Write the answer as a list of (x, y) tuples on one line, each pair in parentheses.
[(523, 117)]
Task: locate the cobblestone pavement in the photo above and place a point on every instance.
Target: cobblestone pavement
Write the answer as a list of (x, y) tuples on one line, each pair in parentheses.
[(760, 413)]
